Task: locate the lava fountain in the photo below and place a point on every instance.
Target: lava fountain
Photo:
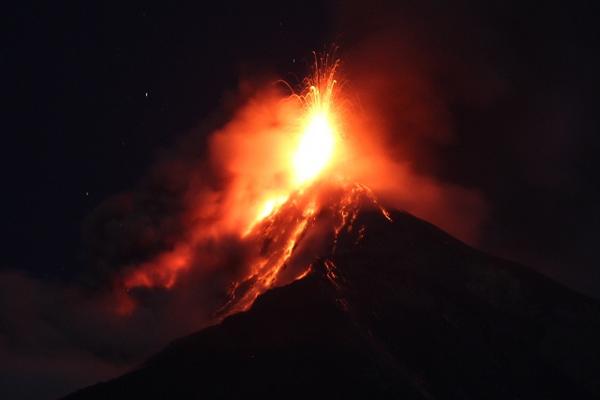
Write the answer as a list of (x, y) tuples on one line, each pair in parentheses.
[(286, 201)]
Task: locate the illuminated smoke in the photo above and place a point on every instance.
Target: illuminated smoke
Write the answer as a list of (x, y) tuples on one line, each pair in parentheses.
[(278, 183)]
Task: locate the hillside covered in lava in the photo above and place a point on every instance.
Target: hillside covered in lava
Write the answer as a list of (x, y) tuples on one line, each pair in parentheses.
[(398, 309)]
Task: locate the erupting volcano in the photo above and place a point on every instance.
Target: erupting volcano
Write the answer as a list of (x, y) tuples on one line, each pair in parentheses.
[(329, 294), (277, 205)]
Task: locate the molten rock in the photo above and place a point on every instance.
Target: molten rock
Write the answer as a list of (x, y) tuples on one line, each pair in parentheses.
[(389, 309)]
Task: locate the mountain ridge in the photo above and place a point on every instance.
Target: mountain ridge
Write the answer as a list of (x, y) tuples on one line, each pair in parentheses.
[(399, 309)]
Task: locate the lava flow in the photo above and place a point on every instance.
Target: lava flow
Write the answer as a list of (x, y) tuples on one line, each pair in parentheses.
[(287, 198)]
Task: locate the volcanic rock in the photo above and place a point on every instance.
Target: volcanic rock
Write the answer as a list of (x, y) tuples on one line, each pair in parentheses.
[(401, 309)]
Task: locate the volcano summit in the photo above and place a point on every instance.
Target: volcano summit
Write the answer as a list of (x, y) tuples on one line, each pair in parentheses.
[(330, 294), (398, 309)]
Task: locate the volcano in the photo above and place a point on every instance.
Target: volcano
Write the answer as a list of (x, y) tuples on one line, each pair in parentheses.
[(331, 295), (398, 309)]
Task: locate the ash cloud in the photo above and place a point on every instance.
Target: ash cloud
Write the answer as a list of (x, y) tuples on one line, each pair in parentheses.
[(498, 100), (405, 86)]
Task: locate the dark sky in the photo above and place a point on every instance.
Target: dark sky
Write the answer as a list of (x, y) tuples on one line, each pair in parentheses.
[(95, 92)]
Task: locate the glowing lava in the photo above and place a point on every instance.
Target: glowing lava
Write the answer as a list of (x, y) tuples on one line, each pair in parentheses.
[(317, 144), (279, 191), (315, 149)]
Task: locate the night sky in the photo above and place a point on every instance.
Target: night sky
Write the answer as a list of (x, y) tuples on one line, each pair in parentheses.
[(95, 94)]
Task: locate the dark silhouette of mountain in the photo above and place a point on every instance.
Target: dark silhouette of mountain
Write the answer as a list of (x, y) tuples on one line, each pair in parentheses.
[(404, 312)]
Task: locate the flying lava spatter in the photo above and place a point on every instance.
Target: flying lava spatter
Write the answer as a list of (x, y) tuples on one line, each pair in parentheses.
[(308, 187)]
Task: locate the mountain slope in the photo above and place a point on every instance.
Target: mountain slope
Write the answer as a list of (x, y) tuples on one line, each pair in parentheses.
[(401, 310)]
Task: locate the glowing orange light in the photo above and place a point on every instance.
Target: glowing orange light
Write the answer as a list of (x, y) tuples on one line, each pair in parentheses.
[(318, 141), (315, 149), (272, 198), (316, 144), (270, 205)]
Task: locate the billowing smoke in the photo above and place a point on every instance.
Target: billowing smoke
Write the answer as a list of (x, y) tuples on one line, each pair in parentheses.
[(191, 214), (495, 102), (161, 259)]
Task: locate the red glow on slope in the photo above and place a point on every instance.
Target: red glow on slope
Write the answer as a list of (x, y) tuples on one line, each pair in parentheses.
[(285, 164)]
